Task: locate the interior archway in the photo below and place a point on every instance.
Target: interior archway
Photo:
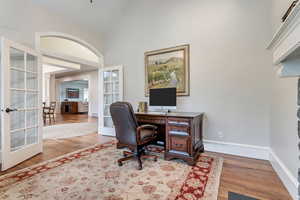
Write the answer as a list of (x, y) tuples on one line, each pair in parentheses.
[(55, 44), (79, 61)]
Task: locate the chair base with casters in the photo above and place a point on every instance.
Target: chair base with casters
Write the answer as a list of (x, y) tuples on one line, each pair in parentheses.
[(137, 154)]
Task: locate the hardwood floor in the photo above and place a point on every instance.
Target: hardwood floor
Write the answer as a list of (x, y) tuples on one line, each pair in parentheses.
[(251, 177), (70, 118)]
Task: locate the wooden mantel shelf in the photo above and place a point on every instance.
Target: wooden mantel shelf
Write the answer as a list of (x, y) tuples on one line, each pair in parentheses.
[(285, 45)]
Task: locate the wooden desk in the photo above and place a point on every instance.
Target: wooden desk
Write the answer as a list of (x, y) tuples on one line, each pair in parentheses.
[(181, 132)]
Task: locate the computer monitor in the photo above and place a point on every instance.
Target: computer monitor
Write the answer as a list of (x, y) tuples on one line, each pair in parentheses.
[(163, 97)]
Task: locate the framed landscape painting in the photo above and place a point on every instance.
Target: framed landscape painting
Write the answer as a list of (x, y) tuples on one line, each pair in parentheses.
[(167, 68)]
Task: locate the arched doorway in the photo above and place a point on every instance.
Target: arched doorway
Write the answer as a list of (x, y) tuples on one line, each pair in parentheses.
[(75, 57), (40, 36)]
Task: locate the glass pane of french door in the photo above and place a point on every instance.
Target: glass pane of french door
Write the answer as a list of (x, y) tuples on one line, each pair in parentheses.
[(111, 94), (24, 98), (111, 81), (108, 97)]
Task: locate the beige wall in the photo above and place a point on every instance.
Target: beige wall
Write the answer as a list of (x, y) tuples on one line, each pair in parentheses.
[(230, 66), (283, 137)]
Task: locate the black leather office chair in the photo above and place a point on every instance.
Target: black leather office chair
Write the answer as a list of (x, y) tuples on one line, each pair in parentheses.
[(130, 134)]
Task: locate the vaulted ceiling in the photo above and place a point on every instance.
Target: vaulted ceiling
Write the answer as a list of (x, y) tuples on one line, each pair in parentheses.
[(97, 16)]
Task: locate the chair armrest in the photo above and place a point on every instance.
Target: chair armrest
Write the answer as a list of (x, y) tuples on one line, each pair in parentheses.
[(146, 126)]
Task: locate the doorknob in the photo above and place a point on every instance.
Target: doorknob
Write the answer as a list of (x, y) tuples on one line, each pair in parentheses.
[(8, 110)]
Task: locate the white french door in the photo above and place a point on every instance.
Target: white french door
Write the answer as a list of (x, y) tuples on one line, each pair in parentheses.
[(21, 114), (111, 90)]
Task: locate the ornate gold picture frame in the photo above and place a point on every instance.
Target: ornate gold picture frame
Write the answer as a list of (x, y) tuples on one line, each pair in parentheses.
[(168, 67)]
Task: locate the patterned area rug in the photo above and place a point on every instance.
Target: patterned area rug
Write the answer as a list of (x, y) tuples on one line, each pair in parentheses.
[(93, 173)]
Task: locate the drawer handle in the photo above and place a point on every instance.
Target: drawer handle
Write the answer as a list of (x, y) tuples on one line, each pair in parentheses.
[(179, 152), (179, 123), (178, 133)]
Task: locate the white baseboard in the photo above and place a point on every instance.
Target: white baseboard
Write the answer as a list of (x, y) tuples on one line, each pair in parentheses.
[(285, 175), (245, 150)]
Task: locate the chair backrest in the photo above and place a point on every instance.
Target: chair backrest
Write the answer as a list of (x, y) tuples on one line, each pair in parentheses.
[(52, 105), (125, 122)]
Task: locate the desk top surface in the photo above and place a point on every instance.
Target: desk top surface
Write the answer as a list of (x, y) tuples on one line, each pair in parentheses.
[(171, 114)]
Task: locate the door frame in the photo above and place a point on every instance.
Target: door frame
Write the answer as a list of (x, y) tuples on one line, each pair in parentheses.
[(9, 158)]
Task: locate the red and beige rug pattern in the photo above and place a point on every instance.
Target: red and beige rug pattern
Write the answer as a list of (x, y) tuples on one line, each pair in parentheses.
[(93, 174)]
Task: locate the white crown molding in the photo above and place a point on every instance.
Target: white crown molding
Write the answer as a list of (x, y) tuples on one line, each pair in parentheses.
[(279, 57), (285, 45), (286, 27)]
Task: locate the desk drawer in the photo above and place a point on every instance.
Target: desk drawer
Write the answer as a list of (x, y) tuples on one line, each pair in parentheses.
[(178, 130), (178, 122), (180, 144), (151, 120)]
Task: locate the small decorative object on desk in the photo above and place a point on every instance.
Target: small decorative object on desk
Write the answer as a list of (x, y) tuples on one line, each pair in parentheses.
[(143, 107), (285, 16)]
